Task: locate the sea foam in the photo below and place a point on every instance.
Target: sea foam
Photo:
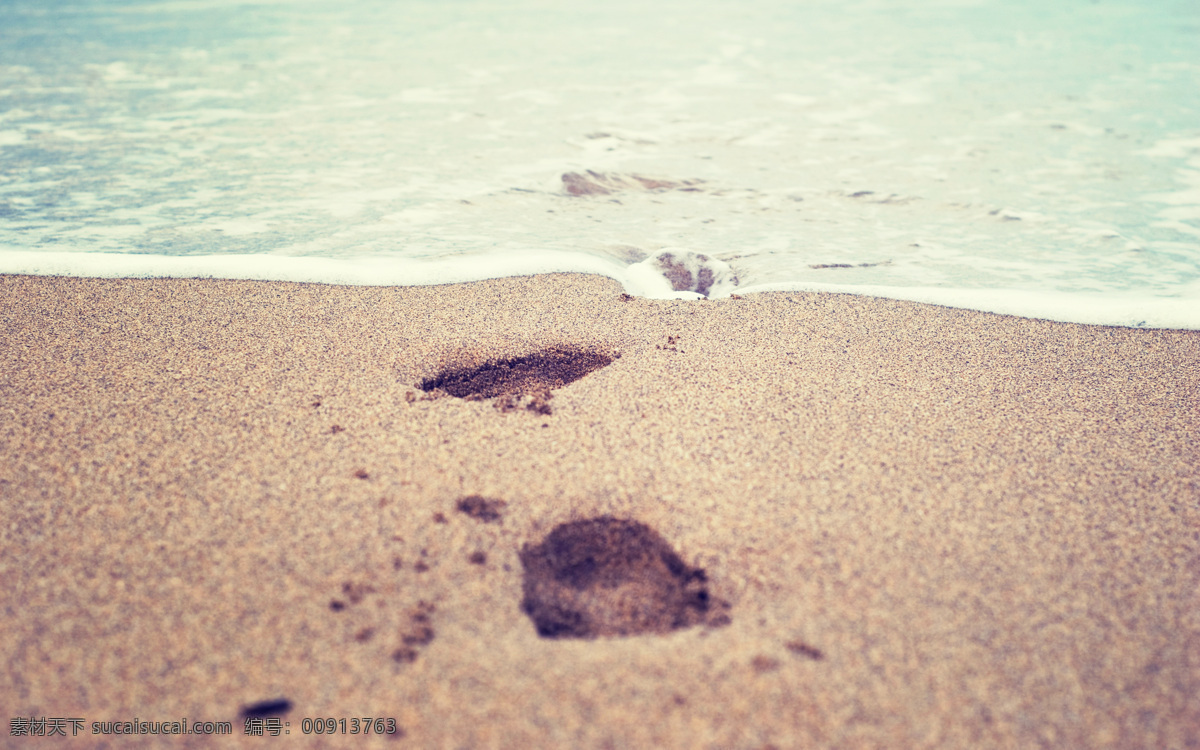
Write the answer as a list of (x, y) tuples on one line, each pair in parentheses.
[(645, 279), (1007, 156)]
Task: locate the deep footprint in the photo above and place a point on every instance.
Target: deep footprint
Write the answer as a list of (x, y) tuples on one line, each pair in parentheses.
[(606, 577), (533, 375)]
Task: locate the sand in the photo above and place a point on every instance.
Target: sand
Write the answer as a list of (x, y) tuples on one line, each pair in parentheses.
[(932, 527)]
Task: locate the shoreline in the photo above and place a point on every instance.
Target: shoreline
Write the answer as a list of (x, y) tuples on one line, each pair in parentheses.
[(1121, 310), (934, 527)]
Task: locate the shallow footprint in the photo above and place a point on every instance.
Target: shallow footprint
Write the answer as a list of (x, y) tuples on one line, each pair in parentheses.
[(676, 274), (606, 577), (533, 376)]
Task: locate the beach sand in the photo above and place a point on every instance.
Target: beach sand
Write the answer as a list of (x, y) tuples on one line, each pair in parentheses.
[(925, 527)]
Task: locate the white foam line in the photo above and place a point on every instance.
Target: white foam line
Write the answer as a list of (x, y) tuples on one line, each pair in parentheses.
[(1126, 311), (1130, 311), (374, 271)]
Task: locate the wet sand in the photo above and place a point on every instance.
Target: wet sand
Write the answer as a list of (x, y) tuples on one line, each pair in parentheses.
[(931, 527)]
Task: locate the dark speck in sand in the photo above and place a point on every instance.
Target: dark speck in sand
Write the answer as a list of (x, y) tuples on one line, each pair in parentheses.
[(608, 577), (481, 508), (763, 664), (803, 649), (364, 635), (264, 709), (417, 635), (537, 403), (356, 592)]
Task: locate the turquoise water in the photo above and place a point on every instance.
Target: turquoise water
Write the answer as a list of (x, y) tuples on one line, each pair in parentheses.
[(1007, 156)]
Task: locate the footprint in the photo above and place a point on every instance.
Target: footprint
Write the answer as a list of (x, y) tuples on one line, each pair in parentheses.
[(607, 577), (532, 377), (673, 271)]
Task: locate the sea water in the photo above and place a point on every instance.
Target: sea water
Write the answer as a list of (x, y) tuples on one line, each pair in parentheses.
[(1019, 156)]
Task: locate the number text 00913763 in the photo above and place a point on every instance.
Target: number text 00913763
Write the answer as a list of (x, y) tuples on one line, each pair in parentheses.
[(348, 726)]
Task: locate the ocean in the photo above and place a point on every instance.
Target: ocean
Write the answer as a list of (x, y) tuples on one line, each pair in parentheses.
[(1030, 158)]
